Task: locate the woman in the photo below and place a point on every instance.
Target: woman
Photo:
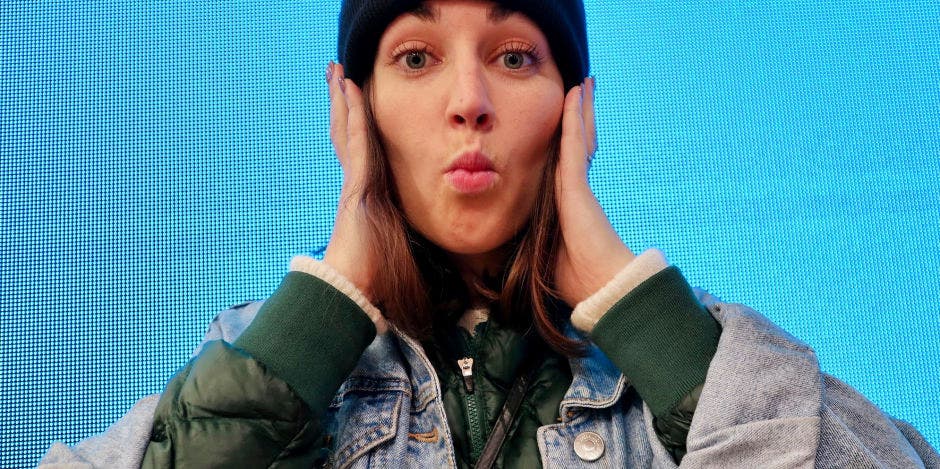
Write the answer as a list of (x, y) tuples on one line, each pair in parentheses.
[(438, 329)]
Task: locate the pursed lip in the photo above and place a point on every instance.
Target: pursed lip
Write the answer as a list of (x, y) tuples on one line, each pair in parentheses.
[(471, 173), (471, 161)]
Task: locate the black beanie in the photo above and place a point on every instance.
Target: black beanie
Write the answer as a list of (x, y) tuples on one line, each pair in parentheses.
[(362, 23)]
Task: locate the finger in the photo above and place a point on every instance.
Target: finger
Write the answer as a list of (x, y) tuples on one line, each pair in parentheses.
[(573, 145), (357, 143), (587, 116), (339, 110)]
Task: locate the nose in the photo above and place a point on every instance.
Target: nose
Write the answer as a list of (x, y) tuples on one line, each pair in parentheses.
[(470, 106)]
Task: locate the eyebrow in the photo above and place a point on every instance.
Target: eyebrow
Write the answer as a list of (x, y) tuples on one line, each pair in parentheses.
[(495, 14)]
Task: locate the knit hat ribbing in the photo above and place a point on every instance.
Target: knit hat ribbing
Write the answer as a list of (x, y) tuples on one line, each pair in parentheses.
[(362, 23)]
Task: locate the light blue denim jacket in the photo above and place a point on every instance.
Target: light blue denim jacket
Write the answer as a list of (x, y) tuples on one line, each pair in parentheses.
[(765, 403)]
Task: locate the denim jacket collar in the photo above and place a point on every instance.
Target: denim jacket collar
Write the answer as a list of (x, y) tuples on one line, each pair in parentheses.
[(394, 361), (596, 383)]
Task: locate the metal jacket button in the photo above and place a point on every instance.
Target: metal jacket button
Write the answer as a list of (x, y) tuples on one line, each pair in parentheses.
[(589, 446)]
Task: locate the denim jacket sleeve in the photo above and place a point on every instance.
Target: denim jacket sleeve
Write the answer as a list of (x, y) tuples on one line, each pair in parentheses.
[(725, 387), (122, 445), (765, 403)]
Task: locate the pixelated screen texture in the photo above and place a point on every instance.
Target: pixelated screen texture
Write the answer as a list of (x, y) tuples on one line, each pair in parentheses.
[(162, 161)]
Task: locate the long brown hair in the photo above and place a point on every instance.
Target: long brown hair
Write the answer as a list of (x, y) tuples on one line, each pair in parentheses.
[(526, 295)]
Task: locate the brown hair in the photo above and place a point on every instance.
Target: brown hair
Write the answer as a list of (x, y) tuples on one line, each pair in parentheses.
[(527, 296)]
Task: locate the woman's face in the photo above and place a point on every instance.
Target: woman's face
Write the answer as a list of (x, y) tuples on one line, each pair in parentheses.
[(467, 99)]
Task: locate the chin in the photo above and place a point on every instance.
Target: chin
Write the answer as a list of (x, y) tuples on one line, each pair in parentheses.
[(469, 233), (469, 247), (475, 242)]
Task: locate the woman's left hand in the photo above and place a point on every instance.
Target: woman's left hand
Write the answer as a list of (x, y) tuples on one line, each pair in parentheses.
[(591, 252)]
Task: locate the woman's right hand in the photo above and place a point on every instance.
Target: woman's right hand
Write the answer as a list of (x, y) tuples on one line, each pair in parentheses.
[(348, 250)]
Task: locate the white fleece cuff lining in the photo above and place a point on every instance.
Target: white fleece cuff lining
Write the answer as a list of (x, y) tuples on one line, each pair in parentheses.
[(325, 272), (588, 312)]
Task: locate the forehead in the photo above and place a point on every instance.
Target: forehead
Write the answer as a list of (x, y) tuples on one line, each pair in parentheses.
[(431, 11)]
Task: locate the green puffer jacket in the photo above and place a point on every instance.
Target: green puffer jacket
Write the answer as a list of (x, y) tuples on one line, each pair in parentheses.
[(225, 408), (263, 402), (499, 354)]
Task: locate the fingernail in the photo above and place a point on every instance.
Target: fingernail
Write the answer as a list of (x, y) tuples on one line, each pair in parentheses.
[(329, 71), (581, 90), (342, 84)]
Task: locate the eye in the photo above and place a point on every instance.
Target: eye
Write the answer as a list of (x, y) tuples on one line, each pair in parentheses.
[(514, 60), (415, 59), (518, 55)]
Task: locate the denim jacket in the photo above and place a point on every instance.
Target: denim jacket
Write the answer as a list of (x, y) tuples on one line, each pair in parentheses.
[(765, 403)]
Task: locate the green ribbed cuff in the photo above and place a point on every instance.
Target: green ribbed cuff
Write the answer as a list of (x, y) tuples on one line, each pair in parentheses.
[(310, 335), (661, 338)]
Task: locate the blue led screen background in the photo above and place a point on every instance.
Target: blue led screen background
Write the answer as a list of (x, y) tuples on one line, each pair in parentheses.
[(164, 160)]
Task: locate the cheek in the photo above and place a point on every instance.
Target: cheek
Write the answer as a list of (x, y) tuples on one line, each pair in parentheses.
[(396, 133), (537, 126), (541, 121), (405, 149), (403, 123), (543, 117), (387, 121)]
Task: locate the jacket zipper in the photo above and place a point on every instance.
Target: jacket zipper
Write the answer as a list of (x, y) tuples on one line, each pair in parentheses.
[(466, 370), (418, 350), (476, 417)]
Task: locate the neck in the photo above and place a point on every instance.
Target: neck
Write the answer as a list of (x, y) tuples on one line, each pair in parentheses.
[(474, 268)]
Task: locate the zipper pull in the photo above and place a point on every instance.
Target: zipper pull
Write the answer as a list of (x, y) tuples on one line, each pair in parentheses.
[(466, 369)]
